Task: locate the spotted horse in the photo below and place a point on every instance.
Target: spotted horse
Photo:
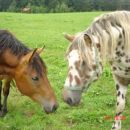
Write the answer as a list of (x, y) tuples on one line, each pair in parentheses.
[(106, 39)]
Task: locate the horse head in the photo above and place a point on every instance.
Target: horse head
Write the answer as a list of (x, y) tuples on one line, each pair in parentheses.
[(31, 79)]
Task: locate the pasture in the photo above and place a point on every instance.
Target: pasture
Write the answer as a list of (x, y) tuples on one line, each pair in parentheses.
[(97, 107)]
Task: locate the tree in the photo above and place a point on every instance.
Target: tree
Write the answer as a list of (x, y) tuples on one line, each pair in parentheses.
[(12, 6), (4, 4), (38, 6)]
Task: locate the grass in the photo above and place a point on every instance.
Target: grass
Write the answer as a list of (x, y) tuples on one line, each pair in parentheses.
[(96, 105)]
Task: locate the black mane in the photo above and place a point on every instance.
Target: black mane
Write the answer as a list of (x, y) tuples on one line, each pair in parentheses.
[(8, 41)]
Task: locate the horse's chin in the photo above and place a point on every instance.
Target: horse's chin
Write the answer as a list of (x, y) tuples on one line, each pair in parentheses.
[(50, 107), (49, 110)]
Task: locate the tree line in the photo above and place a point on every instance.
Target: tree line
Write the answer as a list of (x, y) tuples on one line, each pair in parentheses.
[(53, 6)]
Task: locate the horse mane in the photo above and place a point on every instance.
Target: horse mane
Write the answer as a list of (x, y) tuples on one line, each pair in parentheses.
[(9, 41), (102, 27)]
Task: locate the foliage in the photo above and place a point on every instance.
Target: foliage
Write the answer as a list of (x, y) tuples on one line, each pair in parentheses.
[(46, 6), (97, 108)]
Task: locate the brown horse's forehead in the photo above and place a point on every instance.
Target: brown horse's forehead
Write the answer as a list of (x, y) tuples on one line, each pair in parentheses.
[(38, 66)]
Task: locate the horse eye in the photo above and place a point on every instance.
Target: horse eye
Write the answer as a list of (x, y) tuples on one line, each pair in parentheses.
[(35, 78)]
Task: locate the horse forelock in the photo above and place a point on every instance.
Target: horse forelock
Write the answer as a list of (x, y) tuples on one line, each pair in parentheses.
[(80, 45), (38, 65)]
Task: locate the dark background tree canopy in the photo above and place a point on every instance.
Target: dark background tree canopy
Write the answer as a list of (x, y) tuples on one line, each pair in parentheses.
[(47, 6)]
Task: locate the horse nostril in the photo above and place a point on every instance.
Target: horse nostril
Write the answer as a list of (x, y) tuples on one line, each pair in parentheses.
[(69, 101), (54, 108)]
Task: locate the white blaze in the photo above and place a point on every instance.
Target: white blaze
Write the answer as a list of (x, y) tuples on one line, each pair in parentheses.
[(73, 57)]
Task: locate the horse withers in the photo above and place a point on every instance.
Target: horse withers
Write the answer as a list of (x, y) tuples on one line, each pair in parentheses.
[(107, 39), (27, 69)]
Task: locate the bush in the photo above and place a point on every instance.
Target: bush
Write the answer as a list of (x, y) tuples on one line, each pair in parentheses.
[(62, 8), (37, 9)]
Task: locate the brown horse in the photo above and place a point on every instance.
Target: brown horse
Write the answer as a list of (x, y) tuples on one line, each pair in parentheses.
[(27, 69)]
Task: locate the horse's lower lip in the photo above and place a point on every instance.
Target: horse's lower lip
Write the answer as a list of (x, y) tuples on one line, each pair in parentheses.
[(74, 104), (47, 111)]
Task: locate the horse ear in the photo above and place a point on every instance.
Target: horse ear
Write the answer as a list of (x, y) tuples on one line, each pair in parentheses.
[(29, 56), (40, 50), (69, 37), (88, 40)]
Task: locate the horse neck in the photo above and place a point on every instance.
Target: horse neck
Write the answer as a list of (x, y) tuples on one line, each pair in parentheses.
[(8, 63)]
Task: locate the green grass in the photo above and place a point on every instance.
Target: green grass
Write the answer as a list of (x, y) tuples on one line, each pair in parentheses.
[(99, 102)]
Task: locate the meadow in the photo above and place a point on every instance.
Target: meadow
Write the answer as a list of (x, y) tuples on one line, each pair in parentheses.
[(97, 107)]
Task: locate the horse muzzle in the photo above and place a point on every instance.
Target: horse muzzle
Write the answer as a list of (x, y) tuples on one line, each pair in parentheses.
[(50, 108), (72, 97)]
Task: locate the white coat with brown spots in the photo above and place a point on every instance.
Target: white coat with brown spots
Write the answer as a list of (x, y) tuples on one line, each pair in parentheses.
[(107, 38)]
